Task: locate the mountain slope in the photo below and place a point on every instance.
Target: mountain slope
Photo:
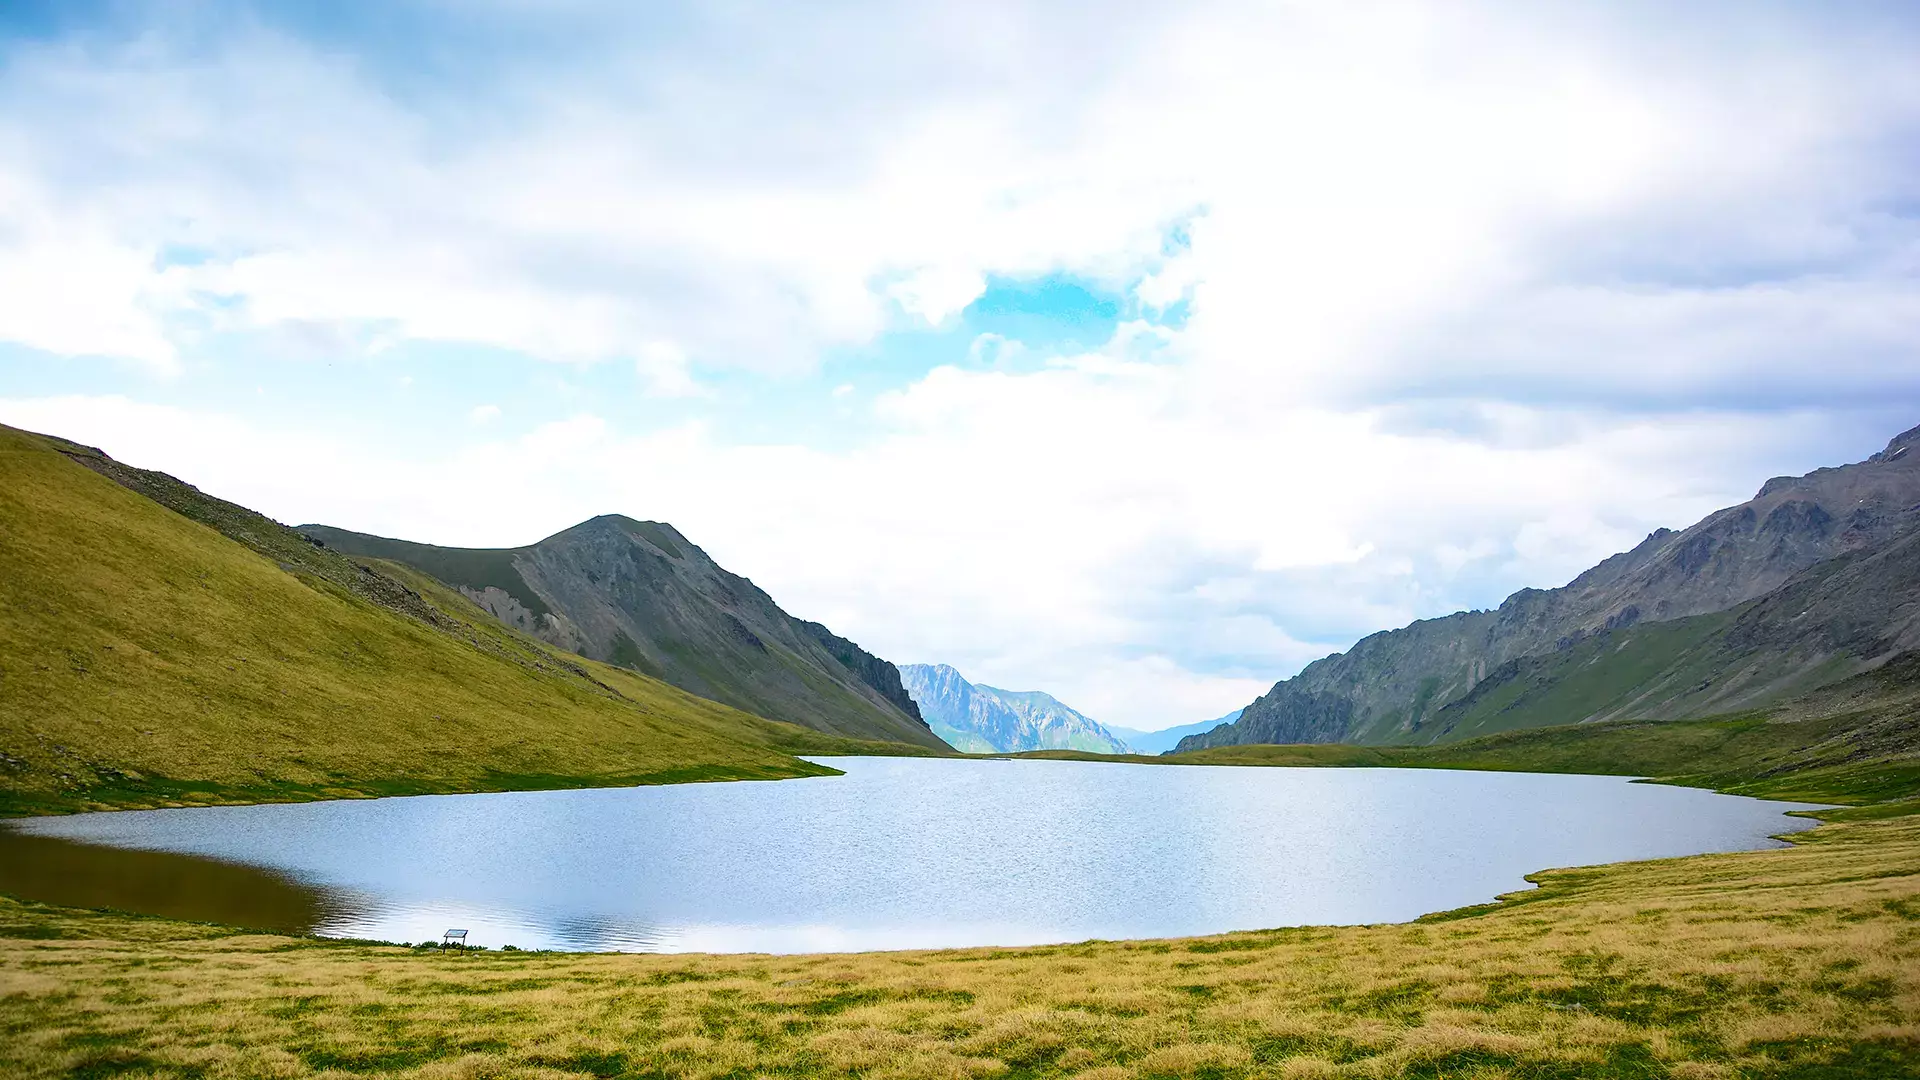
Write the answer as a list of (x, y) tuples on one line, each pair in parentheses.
[(1853, 742), (1836, 619), (639, 595), (983, 719), (1390, 686), (160, 645), (1164, 740)]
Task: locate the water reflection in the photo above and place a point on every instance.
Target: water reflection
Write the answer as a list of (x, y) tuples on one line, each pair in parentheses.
[(71, 874), (904, 853), (363, 915)]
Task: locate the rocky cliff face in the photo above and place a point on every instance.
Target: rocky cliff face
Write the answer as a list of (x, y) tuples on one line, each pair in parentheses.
[(1390, 686), (984, 719), (638, 594), (879, 674)]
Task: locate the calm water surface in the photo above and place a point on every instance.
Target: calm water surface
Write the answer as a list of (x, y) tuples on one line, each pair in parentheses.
[(903, 853)]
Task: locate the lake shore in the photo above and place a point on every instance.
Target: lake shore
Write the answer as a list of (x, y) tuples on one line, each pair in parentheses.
[(1834, 748), (896, 854), (1783, 962), (1795, 962)]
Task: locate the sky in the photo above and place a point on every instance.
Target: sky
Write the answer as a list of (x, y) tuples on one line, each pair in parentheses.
[(1139, 353)]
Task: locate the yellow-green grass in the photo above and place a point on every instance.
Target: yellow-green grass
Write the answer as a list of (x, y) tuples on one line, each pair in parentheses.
[(1797, 962), (147, 659)]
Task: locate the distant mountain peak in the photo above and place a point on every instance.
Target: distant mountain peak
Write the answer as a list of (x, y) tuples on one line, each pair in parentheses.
[(1164, 740), (981, 718), (657, 534)]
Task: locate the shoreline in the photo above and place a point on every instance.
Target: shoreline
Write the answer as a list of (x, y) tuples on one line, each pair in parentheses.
[(1817, 814), (1501, 902), (1765, 963)]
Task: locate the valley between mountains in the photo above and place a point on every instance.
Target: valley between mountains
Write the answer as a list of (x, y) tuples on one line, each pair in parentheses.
[(166, 646), (160, 646)]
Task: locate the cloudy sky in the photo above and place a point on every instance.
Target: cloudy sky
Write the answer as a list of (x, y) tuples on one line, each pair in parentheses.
[(1136, 353)]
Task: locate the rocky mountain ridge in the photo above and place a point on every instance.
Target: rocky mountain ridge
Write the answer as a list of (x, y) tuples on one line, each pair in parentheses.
[(640, 595), (1391, 685)]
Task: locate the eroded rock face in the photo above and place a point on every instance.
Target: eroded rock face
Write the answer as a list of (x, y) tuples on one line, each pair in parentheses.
[(550, 627), (1393, 682), (640, 595)]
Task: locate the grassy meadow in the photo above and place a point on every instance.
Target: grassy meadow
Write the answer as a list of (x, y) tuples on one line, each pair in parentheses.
[(1801, 962)]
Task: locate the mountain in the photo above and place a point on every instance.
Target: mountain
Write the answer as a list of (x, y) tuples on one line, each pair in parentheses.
[(1851, 742), (1164, 740), (1671, 607), (639, 595), (159, 645), (984, 719), (1836, 619)]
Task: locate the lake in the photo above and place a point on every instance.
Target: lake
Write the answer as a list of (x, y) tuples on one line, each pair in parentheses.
[(898, 853)]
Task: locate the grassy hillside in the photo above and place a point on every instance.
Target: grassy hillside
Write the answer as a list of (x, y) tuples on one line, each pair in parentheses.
[(1826, 624), (640, 595), (148, 658), (1852, 743), (1600, 677)]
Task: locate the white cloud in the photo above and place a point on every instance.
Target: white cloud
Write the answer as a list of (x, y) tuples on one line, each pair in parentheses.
[(483, 414), (664, 368), (994, 349), (69, 286), (1461, 297), (1354, 179), (938, 294)]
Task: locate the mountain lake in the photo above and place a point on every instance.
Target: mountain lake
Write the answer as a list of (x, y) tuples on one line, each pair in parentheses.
[(898, 853)]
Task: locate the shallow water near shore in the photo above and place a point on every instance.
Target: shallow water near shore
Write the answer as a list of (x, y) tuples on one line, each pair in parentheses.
[(898, 853)]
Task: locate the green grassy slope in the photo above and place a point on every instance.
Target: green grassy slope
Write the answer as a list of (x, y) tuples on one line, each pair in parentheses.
[(1613, 674), (1830, 622), (147, 658), (1854, 743)]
